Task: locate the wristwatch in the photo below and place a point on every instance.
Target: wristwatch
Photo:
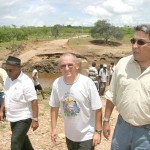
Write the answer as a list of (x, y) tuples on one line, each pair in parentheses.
[(35, 119), (106, 119), (99, 131)]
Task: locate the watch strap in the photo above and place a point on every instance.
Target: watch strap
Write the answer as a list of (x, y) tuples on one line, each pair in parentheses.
[(99, 131), (35, 119)]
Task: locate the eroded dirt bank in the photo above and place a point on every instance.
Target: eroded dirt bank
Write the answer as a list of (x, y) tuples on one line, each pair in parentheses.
[(46, 53)]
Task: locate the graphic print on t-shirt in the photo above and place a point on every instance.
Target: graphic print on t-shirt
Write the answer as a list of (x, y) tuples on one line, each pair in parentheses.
[(70, 106)]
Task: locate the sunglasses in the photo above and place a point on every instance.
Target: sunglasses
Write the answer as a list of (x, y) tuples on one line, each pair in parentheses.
[(66, 65), (138, 41)]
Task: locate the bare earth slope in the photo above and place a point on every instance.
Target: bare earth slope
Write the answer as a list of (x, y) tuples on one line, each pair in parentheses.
[(41, 137), (39, 51)]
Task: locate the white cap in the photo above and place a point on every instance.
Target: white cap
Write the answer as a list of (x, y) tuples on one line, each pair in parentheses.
[(104, 65)]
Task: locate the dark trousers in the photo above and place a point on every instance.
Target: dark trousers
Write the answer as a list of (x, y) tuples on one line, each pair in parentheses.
[(1, 98), (84, 145), (19, 138)]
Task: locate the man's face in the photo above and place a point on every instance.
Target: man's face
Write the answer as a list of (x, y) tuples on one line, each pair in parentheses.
[(13, 71), (68, 67), (141, 53)]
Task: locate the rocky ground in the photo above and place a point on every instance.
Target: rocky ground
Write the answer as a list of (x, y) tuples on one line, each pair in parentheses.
[(41, 137), (46, 54)]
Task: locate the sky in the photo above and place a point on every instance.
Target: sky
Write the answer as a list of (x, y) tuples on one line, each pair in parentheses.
[(73, 12)]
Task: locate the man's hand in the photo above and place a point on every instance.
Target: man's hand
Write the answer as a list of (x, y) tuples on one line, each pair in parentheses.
[(96, 138), (1, 115), (35, 125), (106, 129), (54, 136)]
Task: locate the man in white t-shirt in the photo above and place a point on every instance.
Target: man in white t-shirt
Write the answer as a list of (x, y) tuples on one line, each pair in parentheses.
[(103, 76), (20, 102), (80, 105), (111, 71), (35, 78), (3, 76)]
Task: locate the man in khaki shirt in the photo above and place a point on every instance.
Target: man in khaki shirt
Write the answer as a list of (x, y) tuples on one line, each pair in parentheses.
[(130, 93)]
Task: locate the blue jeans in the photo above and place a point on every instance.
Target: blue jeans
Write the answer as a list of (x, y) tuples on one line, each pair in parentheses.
[(1, 98), (128, 137), (19, 138)]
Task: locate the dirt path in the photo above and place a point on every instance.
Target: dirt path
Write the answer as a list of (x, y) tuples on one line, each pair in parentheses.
[(41, 137), (42, 47)]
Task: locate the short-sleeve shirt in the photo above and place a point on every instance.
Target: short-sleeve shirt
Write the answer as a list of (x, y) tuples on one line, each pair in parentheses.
[(35, 73), (103, 74), (18, 96), (79, 102), (93, 73), (130, 91), (3, 76)]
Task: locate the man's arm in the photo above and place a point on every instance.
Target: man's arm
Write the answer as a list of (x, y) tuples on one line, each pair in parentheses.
[(35, 123), (34, 75), (98, 127), (54, 116), (108, 111), (2, 108)]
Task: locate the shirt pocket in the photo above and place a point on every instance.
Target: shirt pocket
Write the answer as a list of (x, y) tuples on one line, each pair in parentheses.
[(146, 88), (17, 96)]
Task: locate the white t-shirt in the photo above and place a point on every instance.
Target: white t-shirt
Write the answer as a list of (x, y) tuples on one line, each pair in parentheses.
[(3, 76), (18, 96), (35, 74), (112, 69), (78, 102), (103, 74)]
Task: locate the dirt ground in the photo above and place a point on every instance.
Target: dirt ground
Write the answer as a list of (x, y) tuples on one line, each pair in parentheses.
[(46, 53), (41, 137), (38, 51)]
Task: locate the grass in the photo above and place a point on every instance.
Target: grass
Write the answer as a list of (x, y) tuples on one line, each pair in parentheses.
[(2, 125)]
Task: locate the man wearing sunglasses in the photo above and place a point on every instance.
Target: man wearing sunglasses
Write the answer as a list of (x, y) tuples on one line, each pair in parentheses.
[(20, 102), (80, 105), (130, 93)]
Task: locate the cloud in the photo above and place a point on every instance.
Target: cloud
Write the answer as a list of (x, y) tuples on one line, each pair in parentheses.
[(117, 6), (97, 11), (9, 17), (81, 12)]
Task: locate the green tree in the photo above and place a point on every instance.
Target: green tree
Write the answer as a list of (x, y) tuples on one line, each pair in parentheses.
[(55, 30), (103, 29)]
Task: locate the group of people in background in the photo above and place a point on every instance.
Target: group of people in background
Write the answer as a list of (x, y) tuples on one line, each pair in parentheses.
[(81, 107), (101, 76)]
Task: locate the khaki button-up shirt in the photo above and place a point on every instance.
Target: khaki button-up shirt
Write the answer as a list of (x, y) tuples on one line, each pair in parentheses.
[(130, 91)]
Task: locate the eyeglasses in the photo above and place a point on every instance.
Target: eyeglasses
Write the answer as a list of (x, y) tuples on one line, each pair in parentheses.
[(66, 65), (139, 41)]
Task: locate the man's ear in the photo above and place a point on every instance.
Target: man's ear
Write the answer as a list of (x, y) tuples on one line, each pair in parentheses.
[(78, 65)]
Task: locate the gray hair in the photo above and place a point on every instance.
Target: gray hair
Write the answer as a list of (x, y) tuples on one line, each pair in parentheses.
[(74, 58), (144, 27)]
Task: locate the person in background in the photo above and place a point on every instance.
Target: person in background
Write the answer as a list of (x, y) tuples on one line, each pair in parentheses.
[(80, 105), (130, 93), (93, 74), (20, 102), (35, 78), (3, 76), (111, 71), (103, 77), (99, 81)]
